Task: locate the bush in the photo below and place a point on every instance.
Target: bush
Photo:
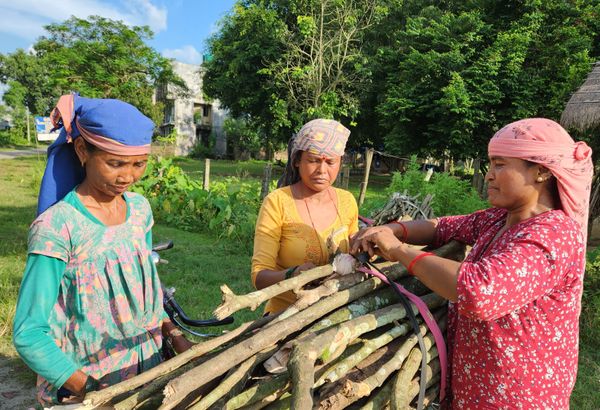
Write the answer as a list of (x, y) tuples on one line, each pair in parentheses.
[(229, 209), (590, 304), (451, 196)]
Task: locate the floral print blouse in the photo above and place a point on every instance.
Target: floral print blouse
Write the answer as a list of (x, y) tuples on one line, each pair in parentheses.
[(102, 312), (513, 332)]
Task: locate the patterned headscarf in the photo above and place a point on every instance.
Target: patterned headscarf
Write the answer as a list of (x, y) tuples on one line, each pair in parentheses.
[(546, 143), (113, 126), (321, 137)]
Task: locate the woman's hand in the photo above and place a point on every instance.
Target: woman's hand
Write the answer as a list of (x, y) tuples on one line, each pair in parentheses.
[(304, 267), (180, 343), (175, 336), (377, 240)]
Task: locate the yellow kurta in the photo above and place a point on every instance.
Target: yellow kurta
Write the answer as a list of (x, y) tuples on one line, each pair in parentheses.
[(282, 239)]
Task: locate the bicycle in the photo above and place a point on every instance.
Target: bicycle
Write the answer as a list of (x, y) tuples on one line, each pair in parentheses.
[(174, 310)]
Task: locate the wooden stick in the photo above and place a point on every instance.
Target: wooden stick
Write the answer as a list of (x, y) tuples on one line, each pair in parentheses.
[(353, 391), (327, 346), (180, 387), (241, 373), (102, 396), (231, 302), (401, 395), (140, 396)]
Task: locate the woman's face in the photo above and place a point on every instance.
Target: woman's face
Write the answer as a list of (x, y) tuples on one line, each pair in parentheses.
[(318, 172), (111, 174), (512, 183)]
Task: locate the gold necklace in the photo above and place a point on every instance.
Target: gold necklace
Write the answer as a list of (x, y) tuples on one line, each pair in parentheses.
[(312, 222)]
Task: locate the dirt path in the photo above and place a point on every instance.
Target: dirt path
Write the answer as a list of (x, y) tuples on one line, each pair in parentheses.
[(17, 388), (21, 153)]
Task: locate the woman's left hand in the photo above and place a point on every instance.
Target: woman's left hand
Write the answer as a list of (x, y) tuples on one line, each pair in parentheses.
[(377, 240)]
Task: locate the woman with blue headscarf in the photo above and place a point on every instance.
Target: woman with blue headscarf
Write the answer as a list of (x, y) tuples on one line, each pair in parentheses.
[(90, 309)]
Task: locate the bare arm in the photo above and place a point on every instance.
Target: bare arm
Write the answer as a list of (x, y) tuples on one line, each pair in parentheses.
[(438, 274)]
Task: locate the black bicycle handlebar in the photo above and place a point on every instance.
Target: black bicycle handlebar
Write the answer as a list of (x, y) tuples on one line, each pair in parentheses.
[(176, 312)]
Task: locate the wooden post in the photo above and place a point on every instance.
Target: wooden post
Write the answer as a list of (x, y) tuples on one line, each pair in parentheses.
[(28, 137), (477, 177), (363, 185), (266, 181), (345, 177), (206, 180)]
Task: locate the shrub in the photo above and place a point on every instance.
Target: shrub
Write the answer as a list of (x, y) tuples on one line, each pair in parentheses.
[(451, 196), (590, 304), (229, 209)]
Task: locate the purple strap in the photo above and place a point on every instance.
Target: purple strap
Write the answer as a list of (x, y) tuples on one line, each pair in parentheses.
[(429, 320)]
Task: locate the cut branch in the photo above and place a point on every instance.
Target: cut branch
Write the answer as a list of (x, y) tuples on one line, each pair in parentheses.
[(241, 373), (180, 387), (329, 345), (102, 396), (232, 302)]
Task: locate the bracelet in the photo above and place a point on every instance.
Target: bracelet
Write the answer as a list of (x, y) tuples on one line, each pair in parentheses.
[(415, 260), (288, 273), (404, 230), (174, 333)]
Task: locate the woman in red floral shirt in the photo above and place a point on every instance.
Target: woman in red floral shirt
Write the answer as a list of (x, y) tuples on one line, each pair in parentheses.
[(516, 298)]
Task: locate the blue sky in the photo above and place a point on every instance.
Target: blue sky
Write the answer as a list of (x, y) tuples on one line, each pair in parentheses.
[(180, 27)]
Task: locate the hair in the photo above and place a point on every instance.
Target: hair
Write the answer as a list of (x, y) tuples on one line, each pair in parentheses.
[(89, 147), (291, 174)]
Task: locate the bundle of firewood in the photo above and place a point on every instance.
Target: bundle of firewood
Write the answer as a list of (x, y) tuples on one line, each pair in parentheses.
[(403, 207), (346, 342)]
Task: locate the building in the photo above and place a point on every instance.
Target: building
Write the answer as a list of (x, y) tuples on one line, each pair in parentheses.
[(195, 119)]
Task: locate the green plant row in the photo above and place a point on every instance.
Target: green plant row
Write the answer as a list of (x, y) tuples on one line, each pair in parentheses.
[(229, 209)]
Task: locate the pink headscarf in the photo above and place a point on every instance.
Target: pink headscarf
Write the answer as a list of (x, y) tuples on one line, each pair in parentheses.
[(322, 137), (546, 143)]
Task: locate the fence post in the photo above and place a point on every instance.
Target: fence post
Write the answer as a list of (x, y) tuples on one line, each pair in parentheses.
[(266, 181), (206, 179), (345, 177), (363, 185), (477, 177)]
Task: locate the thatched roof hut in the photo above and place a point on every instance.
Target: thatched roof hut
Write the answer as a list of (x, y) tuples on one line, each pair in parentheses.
[(583, 109)]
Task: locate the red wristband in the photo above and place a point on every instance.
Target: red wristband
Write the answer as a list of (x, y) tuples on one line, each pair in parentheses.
[(404, 230), (415, 260)]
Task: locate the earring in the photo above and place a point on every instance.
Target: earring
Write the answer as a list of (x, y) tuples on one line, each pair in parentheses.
[(540, 179)]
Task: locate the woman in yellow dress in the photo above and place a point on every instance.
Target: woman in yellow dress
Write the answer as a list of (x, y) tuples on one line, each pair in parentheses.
[(302, 223)]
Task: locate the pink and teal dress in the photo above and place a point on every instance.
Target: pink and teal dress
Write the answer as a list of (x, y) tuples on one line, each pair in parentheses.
[(90, 298)]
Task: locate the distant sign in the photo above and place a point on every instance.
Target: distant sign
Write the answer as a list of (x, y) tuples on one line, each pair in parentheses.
[(43, 125)]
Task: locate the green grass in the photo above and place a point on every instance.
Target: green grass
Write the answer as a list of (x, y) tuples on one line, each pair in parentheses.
[(198, 264)]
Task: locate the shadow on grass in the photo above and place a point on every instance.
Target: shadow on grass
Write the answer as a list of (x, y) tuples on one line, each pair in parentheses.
[(17, 384), (14, 224)]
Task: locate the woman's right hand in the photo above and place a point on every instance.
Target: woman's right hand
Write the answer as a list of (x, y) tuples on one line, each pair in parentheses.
[(377, 240), (304, 267)]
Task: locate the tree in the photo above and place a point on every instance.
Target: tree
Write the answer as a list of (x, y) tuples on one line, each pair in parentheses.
[(98, 57), (14, 97), (322, 59), (25, 69), (237, 74), (460, 70), (282, 63)]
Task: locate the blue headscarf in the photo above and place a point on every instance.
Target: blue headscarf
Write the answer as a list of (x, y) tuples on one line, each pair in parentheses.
[(111, 125)]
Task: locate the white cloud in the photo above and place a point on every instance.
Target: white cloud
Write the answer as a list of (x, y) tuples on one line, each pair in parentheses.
[(26, 18), (187, 54)]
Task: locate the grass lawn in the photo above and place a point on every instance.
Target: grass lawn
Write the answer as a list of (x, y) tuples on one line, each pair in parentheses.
[(198, 264)]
